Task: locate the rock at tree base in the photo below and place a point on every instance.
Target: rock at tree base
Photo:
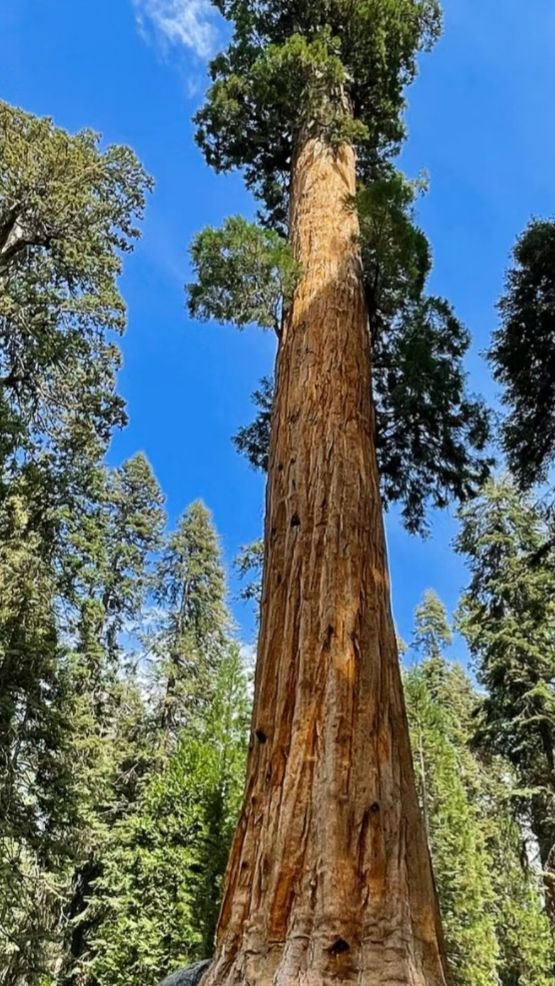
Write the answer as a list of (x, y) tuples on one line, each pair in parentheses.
[(190, 976)]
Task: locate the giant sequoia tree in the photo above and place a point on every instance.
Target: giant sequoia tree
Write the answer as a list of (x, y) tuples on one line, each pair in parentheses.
[(329, 876)]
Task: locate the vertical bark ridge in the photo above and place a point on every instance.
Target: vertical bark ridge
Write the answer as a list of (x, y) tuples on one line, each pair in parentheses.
[(329, 878)]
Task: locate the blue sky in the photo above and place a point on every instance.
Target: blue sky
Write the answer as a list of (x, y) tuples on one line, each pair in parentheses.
[(480, 123)]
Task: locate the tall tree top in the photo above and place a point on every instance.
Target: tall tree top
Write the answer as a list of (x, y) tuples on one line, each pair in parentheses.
[(431, 627), (69, 209), (328, 67), (191, 579), (523, 354)]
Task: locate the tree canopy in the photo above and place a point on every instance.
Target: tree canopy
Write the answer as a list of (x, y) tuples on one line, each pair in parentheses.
[(523, 354), (337, 69), (68, 210)]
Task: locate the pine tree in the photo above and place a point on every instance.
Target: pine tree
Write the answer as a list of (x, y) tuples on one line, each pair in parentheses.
[(113, 543), (496, 929), (160, 887), (329, 866), (523, 354), (456, 841), (190, 586), (431, 627), (524, 935), (508, 618), (36, 787)]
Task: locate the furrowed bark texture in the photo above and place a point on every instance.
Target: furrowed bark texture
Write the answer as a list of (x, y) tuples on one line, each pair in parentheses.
[(329, 879)]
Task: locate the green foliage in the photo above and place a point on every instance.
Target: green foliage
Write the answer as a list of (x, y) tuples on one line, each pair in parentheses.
[(431, 435), (431, 627), (112, 537), (37, 804), (336, 70), (190, 585), (523, 930), (158, 895), (253, 440), (457, 846), (67, 211), (523, 354), (112, 544), (396, 255), (245, 274), (496, 929), (250, 560), (508, 618), (161, 755)]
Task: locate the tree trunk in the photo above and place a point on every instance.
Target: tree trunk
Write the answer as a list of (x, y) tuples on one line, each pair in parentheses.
[(329, 878)]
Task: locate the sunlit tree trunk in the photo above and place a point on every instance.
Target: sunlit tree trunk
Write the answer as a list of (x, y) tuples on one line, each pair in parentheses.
[(329, 878)]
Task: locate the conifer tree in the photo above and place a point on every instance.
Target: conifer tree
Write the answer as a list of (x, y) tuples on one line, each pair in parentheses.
[(158, 891), (329, 870), (523, 354), (496, 927), (67, 214), (508, 618), (432, 632), (190, 586), (112, 543), (37, 806), (457, 844)]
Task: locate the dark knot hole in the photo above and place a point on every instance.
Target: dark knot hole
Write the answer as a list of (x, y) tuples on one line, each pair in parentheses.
[(339, 946)]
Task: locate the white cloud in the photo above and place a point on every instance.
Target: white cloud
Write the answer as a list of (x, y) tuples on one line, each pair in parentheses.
[(179, 23)]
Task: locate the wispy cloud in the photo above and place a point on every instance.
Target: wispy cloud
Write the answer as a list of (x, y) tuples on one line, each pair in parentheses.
[(179, 24)]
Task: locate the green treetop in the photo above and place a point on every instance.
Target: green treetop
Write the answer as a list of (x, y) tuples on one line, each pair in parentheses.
[(334, 69), (191, 589), (523, 354), (68, 212), (115, 537), (431, 627)]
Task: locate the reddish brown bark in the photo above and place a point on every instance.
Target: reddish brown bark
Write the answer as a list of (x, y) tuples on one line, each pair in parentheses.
[(329, 878)]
